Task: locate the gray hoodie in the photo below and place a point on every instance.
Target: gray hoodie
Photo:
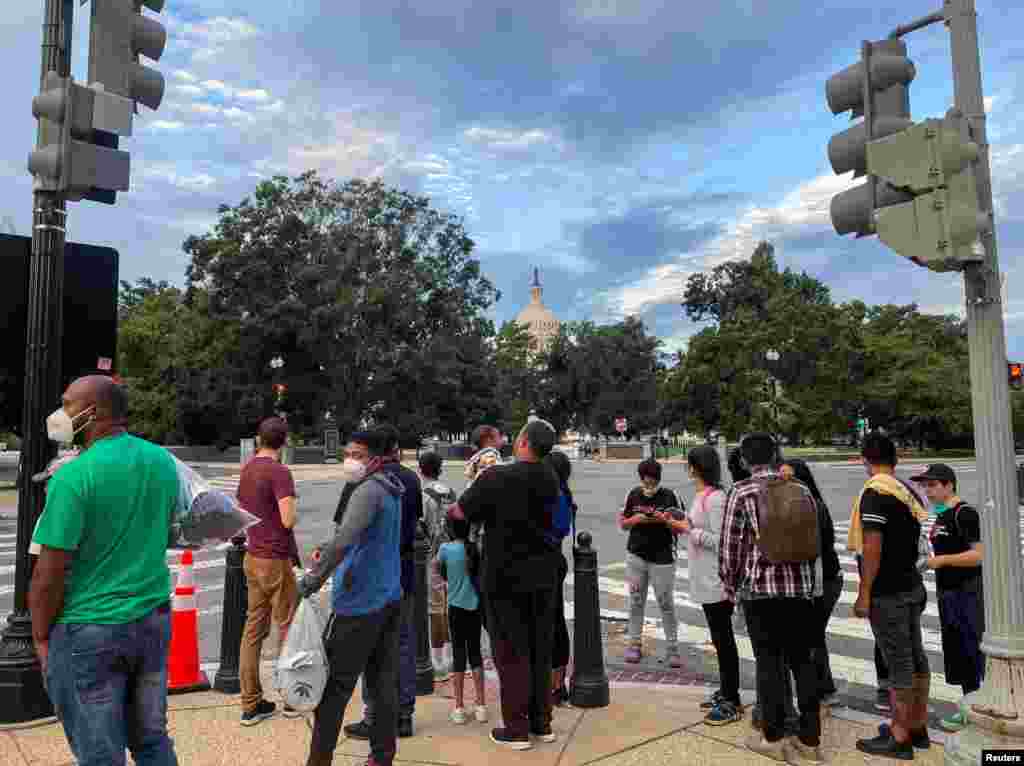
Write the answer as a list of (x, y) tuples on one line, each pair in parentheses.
[(363, 554)]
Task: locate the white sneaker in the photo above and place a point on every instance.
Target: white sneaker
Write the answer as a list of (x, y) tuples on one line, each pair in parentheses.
[(458, 716), (480, 713)]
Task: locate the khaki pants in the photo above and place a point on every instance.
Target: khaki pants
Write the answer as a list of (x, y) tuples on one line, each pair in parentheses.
[(272, 595)]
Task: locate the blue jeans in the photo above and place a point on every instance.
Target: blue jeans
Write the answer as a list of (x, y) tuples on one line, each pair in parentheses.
[(406, 665), (108, 685)]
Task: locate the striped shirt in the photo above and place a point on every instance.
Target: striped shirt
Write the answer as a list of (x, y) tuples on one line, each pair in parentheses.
[(745, 572)]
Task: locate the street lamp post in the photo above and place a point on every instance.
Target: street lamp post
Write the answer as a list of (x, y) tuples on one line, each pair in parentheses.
[(773, 356), (22, 694)]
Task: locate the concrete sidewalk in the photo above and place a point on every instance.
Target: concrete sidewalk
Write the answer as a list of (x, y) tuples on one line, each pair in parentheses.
[(645, 724)]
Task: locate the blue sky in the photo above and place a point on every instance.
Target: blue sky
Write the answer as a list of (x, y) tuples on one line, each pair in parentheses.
[(618, 145)]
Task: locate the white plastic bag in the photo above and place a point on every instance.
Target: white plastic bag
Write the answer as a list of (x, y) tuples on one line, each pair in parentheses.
[(301, 671), (205, 516)]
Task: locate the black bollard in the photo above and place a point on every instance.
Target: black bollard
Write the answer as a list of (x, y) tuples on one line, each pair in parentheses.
[(421, 616), (236, 607), (589, 684)]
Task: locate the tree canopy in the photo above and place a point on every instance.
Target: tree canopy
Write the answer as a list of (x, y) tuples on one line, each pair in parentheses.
[(901, 369), (346, 303)]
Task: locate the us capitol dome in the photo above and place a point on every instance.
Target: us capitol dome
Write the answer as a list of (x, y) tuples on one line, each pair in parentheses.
[(541, 323)]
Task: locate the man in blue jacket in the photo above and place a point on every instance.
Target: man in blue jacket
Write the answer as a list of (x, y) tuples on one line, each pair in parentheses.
[(412, 512), (362, 634)]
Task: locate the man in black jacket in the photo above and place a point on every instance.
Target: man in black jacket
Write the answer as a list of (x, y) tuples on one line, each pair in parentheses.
[(514, 503), (412, 512)]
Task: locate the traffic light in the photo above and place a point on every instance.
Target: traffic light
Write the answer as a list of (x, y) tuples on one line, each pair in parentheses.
[(875, 88), (78, 154), (118, 34), (1016, 374), (71, 158), (940, 227)]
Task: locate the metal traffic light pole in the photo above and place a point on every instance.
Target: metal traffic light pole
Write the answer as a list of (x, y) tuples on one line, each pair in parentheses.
[(22, 694), (996, 711)]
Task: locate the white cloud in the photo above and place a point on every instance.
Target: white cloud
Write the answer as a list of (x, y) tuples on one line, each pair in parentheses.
[(662, 284), (202, 108), (181, 74), (218, 86), (803, 209), (234, 113), (166, 125), (357, 145), (190, 90), (1007, 163), (503, 140), (217, 31), (430, 165), (257, 94), (169, 174)]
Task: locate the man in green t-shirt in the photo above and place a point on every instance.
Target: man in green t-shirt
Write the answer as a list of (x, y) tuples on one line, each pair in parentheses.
[(99, 598)]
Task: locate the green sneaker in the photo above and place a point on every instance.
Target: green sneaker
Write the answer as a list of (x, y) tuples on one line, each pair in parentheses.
[(954, 723)]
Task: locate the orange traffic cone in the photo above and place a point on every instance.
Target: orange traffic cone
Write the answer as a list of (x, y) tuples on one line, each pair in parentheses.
[(183, 673)]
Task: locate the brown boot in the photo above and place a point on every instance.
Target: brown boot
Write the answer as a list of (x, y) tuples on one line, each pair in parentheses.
[(319, 759), (903, 710)]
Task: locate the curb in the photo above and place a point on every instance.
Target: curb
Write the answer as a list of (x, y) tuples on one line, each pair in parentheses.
[(26, 725)]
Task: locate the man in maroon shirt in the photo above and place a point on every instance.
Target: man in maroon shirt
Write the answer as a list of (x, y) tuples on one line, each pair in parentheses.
[(267, 490)]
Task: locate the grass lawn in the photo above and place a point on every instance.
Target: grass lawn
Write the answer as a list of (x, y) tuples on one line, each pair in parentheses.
[(825, 453)]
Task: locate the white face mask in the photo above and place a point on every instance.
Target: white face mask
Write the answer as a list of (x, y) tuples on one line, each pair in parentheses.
[(353, 471), (60, 426)]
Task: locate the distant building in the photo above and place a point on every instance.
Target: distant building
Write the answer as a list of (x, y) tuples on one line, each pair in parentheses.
[(542, 324)]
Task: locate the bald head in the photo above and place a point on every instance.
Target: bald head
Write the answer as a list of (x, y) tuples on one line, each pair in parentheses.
[(106, 399)]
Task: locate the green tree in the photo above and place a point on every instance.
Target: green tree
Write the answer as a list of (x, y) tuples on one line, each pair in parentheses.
[(161, 337), (594, 374), (519, 375), (347, 284), (754, 307), (918, 382)]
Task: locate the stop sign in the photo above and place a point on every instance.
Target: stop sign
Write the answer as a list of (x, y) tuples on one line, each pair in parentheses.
[(620, 425)]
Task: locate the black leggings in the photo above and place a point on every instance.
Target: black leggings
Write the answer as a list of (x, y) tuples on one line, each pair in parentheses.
[(464, 627), (719, 617), (560, 649)]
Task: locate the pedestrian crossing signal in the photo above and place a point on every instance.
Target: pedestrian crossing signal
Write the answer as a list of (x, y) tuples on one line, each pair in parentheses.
[(1016, 373)]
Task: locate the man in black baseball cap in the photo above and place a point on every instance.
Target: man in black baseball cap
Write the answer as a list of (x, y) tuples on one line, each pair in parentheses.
[(956, 558), (937, 472)]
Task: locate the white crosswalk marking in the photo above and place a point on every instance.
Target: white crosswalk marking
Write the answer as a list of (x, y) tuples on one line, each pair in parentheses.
[(845, 632)]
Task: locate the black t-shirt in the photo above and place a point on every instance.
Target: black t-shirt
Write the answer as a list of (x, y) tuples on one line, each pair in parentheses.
[(514, 503), (901, 532), (655, 542), (954, 531)]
